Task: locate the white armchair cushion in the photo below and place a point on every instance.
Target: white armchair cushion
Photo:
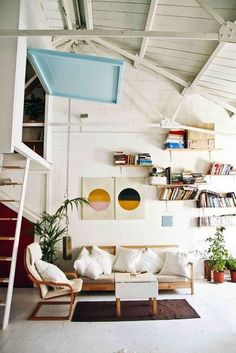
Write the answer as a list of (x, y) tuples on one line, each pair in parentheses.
[(149, 261), (176, 264), (51, 273), (126, 260), (103, 258)]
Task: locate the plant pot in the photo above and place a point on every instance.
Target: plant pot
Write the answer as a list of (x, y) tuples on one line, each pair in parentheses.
[(233, 276), (218, 277)]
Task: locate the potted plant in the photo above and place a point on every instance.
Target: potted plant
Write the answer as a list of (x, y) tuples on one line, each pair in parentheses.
[(34, 107), (53, 228), (231, 265), (217, 255)]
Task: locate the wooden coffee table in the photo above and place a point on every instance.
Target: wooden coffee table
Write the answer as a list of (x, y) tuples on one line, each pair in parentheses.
[(141, 286)]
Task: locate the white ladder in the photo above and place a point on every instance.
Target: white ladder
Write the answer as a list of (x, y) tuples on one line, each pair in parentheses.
[(15, 239)]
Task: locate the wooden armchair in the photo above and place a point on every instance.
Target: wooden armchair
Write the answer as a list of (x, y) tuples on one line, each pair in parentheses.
[(32, 254)]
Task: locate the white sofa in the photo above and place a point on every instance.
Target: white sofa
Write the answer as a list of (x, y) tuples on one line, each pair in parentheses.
[(171, 276)]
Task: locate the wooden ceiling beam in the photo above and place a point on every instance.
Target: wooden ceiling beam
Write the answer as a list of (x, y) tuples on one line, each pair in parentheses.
[(93, 34), (143, 62), (212, 12), (148, 27)]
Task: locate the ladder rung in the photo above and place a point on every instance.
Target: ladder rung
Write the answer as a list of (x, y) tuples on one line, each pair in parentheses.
[(5, 258), (10, 184), (4, 279), (7, 219), (11, 167), (7, 238), (2, 303), (9, 201)]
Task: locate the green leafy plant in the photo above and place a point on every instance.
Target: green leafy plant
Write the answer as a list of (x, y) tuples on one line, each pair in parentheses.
[(34, 107), (217, 252), (50, 228), (231, 264)]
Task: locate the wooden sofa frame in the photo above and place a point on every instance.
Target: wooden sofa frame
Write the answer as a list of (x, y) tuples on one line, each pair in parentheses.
[(161, 285)]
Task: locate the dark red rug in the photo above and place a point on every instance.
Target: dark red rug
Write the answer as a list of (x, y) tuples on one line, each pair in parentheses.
[(168, 309)]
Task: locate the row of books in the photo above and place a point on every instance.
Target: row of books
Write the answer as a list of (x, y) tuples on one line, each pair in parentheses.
[(222, 220), (179, 193), (220, 169), (175, 139), (121, 158), (213, 199)]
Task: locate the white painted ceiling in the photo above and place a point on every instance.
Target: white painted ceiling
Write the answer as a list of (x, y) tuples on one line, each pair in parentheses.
[(206, 66)]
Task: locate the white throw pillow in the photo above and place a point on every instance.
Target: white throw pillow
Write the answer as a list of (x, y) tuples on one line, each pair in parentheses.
[(126, 260), (149, 261), (88, 267), (51, 273), (176, 264), (83, 253), (103, 258)]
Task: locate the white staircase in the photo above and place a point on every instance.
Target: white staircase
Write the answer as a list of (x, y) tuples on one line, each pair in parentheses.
[(5, 172)]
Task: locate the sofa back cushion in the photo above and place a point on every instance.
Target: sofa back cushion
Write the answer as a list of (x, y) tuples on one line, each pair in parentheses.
[(149, 261), (103, 258), (176, 264), (126, 260)]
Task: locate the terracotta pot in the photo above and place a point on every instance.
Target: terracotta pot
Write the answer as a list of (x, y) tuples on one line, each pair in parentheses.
[(233, 276), (218, 277)]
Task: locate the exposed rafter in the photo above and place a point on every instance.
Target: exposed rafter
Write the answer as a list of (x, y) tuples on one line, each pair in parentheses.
[(148, 27), (212, 12), (88, 11), (67, 14), (143, 62)]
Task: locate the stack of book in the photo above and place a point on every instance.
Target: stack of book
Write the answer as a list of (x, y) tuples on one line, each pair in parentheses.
[(144, 159), (120, 158), (175, 139), (189, 177), (220, 169)]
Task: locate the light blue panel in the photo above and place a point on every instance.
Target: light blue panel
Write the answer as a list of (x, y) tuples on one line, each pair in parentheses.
[(78, 76), (167, 221)]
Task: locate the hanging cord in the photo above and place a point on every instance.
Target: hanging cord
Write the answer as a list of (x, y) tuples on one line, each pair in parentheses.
[(66, 195)]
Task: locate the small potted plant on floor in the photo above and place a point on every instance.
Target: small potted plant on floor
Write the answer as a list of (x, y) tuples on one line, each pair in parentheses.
[(217, 254), (34, 107), (231, 265)]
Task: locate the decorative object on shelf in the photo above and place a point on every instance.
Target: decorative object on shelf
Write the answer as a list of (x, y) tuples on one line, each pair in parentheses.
[(176, 139), (157, 176), (197, 139), (141, 159), (34, 107), (231, 265), (220, 169), (217, 254)]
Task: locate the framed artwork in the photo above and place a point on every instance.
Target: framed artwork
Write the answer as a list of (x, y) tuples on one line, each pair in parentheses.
[(100, 193), (129, 198)]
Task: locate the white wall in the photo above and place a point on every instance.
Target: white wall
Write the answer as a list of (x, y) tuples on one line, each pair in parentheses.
[(143, 93)]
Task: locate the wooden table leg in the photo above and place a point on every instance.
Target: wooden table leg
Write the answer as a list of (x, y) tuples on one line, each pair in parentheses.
[(117, 306), (154, 306)]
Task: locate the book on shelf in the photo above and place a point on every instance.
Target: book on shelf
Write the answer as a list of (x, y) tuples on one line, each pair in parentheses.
[(179, 193), (121, 158), (220, 168), (212, 199), (219, 220)]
